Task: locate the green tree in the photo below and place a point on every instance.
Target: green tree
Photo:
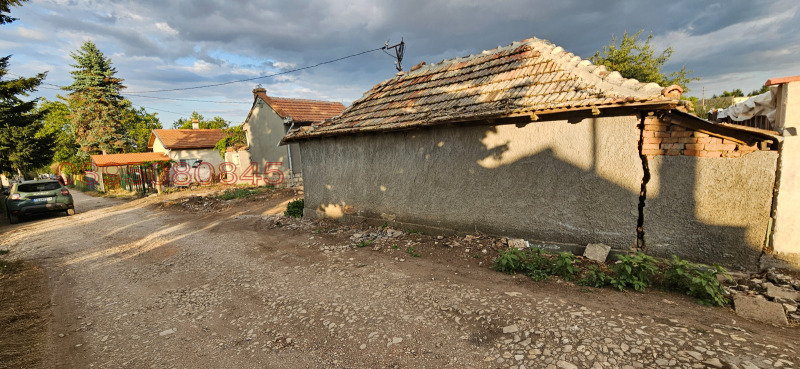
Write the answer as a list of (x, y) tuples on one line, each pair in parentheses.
[(214, 123), (138, 124), (735, 93), (95, 102), (635, 58), (23, 146), (57, 124), (759, 92)]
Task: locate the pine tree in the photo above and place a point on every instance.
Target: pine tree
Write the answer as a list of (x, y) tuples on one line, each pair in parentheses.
[(95, 101), (23, 144), (635, 59)]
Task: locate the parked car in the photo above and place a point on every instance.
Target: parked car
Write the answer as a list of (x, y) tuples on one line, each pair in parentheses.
[(39, 196)]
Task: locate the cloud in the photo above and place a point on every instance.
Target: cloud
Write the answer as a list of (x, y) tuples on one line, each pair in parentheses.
[(158, 44)]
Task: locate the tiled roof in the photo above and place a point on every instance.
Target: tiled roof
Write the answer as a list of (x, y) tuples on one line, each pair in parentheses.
[(303, 111), (531, 76), (128, 159), (187, 138)]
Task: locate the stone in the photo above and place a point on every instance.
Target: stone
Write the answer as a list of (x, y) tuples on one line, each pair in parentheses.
[(597, 252), (168, 332), (714, 362), (761, 310), (774, 291), (511, 329), (566, 365), (518, 243), (396, 340)]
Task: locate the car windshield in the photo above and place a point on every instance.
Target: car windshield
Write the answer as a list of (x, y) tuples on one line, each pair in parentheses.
[(36, 187)]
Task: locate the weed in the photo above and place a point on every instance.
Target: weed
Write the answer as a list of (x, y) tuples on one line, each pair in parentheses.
[(564, 266), (477, 256), (538, 266), (238, 193), (510, 261), (634, 271), (365, 243), (295, 208), (412, 231), (384, 225), (595, 278), (410, 250), (698, 281), (394, 247)]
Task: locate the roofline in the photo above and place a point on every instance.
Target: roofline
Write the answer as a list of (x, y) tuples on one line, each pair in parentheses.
[(520, 117)]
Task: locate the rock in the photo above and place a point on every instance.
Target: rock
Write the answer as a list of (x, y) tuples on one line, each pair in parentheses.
[(511, 329), (396, 340), (761, 310), (566, 365), (518, 243), (774, 291), (597, 252), (168, 332), (662, 362), (393, 232), (714, 362)]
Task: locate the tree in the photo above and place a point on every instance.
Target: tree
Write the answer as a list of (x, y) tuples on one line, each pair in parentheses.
[(57, 124), (95, 102), (23, 145), (634, 58), (138, 124), (759, 92), (214, 123)]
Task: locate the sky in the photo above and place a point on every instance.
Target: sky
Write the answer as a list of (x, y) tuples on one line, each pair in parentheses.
[(170, 44)]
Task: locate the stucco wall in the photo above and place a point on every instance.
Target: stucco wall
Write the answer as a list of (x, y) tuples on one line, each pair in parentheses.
[(786, 239), (712, 210), (264, 130), (556, 181), (206, 155)]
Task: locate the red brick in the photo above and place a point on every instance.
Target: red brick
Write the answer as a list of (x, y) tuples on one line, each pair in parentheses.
[(681, 134), (652, 127), (673, 152), (695, 146), (692, 152), (661, 134), (672, 146), (649, 134), (720, 147), (747, 148), (652, 140), (650, 146), (715, 140), (670, 140), (675, 128), (688, 140), (699, 134), (653, 152), (704, 140), (731, 154), (710, 154)]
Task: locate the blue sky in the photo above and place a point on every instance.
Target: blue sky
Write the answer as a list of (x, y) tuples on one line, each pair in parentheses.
[(168, 44)]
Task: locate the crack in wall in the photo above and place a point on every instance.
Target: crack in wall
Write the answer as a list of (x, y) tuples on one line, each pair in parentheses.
[(640, 243)]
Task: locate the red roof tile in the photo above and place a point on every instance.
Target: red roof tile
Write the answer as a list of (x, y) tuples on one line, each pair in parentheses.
[(128, 159), (525, 77), (186, 138), (303, 111)]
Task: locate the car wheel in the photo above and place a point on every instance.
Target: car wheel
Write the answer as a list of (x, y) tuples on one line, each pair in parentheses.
[(70, 211), (13, 218)]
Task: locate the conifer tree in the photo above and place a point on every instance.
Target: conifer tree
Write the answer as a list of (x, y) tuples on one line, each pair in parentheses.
[(95, 102)]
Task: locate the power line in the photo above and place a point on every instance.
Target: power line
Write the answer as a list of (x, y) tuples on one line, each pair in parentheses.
[(166, 111), (264, 76), (193, 100)]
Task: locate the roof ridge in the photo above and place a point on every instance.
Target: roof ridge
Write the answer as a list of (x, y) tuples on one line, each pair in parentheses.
[(301, 100)]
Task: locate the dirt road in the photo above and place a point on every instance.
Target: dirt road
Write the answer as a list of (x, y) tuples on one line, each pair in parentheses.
[(135, 284)]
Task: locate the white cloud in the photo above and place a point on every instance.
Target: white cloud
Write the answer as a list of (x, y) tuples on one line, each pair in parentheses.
[(165, 28)]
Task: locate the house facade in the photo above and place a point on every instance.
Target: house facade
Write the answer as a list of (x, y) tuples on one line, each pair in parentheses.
[(269, 119), (530, 141), (193, 148)]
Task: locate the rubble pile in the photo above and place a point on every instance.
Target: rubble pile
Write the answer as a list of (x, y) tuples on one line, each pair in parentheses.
[(774, 287)]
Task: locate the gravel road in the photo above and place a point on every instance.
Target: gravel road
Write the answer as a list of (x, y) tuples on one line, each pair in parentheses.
[(136, 285)]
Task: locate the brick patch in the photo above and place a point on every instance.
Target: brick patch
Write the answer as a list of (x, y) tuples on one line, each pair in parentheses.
[(660, 138)]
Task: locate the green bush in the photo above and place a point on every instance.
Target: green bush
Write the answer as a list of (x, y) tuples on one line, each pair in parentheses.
[(564, 266), (595, 278), (634, 271), (295, 208), (510, 261), (538, 266), (696, 280), (242, 192)]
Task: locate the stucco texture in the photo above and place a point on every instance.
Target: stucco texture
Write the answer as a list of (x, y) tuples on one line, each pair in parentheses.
[(711, 210), (786, 239), (264, 130), (553, 180)]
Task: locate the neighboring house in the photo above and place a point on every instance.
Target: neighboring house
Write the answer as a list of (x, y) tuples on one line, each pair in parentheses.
[(193, 148), (528, 140), (267, 122), (131, 171)]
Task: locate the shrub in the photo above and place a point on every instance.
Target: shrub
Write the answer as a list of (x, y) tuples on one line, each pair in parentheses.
[(696, 280), (634, 271), (510, 261), (595, 278), (538, 266), (295, 208), (564, 266)]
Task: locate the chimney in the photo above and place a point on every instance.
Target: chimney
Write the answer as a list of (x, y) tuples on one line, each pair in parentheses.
[(258, 90), (195, 124)]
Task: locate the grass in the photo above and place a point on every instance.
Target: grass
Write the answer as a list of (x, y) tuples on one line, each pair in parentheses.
[(365, 243), (410, 250), (243, 192)]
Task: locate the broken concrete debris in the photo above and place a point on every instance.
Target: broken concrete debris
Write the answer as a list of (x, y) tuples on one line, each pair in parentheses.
[(760, 309), (771, 297), (597, 252)]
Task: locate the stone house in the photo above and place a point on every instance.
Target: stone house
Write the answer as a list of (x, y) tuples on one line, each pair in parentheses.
[(267, 122), (530, 141)]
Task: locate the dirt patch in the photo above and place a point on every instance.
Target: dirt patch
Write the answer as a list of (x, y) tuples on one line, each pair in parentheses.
[(24, 312)]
